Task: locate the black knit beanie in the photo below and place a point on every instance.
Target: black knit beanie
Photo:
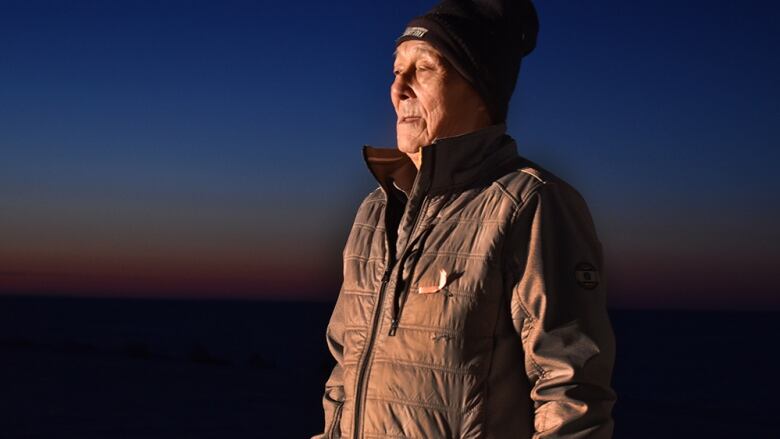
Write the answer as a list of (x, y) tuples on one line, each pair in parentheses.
[(484, 40)]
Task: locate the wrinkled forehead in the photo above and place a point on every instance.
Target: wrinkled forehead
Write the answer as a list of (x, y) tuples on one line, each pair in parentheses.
[(415, 48)]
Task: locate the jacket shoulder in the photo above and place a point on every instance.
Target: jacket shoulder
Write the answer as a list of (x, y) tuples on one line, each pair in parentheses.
[(528, 178), (370, 208), (375, 198)]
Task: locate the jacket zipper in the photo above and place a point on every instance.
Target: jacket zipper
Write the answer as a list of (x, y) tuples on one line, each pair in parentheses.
[(367, 355), (376, 318)]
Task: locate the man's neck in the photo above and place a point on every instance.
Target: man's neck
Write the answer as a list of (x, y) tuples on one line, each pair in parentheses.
[(416, 158)]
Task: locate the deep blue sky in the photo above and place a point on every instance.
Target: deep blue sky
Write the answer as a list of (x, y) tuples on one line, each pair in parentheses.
[(180, 148)]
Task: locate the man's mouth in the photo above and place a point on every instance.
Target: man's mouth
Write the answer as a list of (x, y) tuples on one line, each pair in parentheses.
[(409, 119)]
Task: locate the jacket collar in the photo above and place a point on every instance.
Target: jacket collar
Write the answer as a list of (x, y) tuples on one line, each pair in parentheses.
[(446, 163)]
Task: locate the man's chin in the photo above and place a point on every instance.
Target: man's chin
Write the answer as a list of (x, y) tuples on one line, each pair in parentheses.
[(408, 147), (410, 144)]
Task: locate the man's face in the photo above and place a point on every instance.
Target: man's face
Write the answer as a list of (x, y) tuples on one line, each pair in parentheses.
[(431, 99)]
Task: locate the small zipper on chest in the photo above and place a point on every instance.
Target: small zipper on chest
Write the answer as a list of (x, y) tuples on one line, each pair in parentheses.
[(404, 255)]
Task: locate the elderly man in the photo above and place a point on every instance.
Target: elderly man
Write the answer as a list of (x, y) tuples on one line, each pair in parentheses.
[(473, 301)]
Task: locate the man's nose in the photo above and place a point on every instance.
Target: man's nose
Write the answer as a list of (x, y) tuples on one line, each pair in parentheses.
[(401, 87)]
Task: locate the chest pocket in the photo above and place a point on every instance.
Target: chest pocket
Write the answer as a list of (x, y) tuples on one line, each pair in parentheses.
[(451, 292)]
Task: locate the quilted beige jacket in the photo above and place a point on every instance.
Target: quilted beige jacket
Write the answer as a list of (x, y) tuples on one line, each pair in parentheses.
[(473, 302)]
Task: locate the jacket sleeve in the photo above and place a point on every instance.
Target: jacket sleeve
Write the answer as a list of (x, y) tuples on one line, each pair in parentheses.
[(333, 398), (558, 305)]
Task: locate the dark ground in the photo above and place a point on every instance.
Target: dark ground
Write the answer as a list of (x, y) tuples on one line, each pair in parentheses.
[(100, 368)]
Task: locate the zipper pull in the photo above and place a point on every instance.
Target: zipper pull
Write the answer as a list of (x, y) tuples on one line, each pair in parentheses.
[(385, 280), (393, 327)]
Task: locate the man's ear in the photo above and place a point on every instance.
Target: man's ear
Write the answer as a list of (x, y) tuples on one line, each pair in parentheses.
[(485, 113)]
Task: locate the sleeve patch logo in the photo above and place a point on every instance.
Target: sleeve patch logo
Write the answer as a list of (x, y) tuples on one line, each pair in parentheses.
[(587, 276)]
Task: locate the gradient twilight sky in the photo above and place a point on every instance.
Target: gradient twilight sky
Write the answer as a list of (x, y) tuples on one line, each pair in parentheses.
[(213, 149)]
